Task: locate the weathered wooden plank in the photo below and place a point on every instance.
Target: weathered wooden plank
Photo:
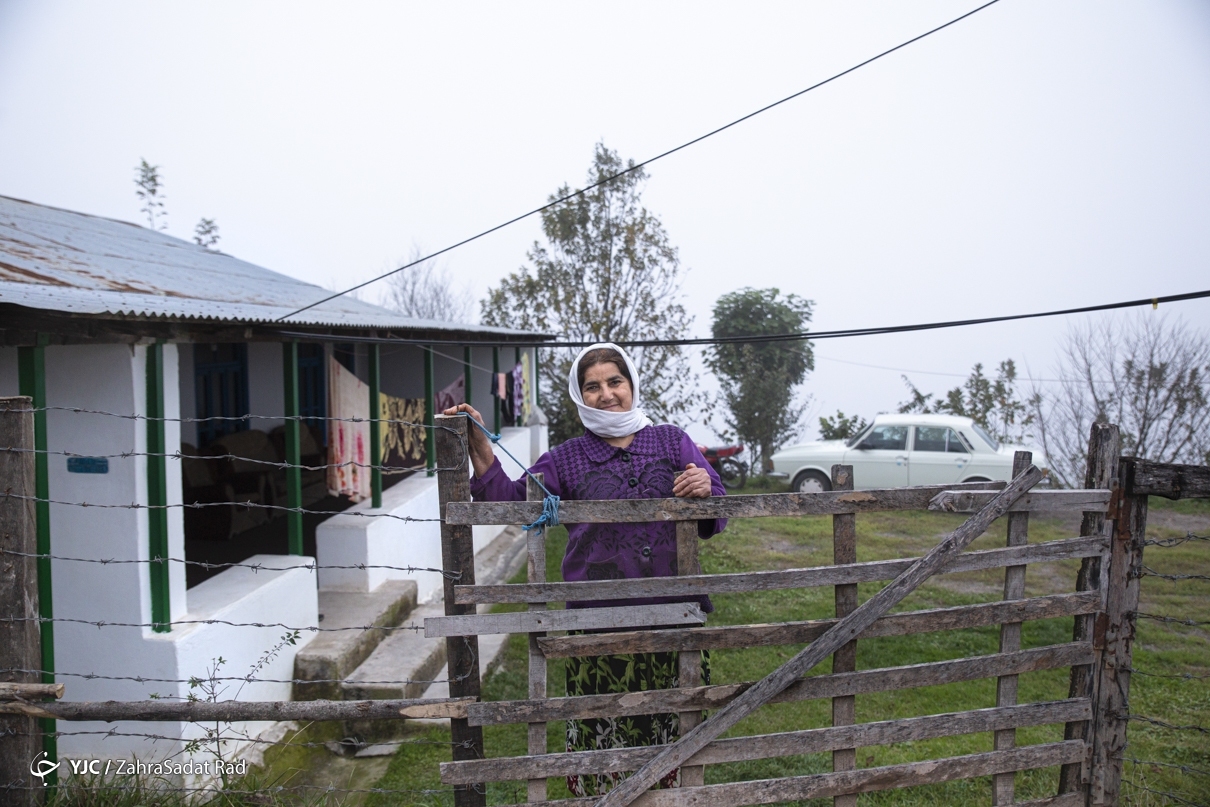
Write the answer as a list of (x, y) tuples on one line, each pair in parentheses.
[(699, 585), (866, 780), (536, 573), (819, 686), (10, 691), (955, 617), (210, 711), (768, 504), (770, 746), (1036, 501), (844, 551), (1104, 453), (689, 663), (458, 556), (1004, 784), (619, 616), (1170, 480), (844, 631)]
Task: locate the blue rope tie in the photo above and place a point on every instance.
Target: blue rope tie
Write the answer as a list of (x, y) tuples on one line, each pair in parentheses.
[(550, 504)]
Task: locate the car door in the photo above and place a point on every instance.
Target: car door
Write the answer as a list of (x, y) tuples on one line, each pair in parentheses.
[(880, 460), (939, 456)]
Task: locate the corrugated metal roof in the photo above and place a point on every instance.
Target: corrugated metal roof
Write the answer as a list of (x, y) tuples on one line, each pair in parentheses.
[(60, 260)]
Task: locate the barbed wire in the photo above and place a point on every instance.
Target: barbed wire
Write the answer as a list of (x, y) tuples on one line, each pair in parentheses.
[(1170, 619), (276, 789), (1166, 794), (1171, 542), (1182, 768), (1147, 571), (249, 679), (237, 738), (202, 505), (224, 418), (102, 623), (1164, 725), (1182, 676), (256, 567), (177, 455)]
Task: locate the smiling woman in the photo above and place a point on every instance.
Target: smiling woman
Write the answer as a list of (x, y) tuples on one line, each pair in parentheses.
[(621, 455)]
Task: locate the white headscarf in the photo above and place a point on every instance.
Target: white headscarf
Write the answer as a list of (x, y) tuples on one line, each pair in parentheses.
[(599, 421)]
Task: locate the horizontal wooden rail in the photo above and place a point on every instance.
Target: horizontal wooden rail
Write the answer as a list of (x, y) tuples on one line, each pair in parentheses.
[(865, 780), (1170, 480), (768, 746), (621, 616), (698, 585), (741, 636), (765, 505), (207, 711), (10, 691), (1036, 501), (818, 686)]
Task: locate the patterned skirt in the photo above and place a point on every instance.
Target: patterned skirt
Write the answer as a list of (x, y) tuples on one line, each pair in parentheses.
[(632, 672)]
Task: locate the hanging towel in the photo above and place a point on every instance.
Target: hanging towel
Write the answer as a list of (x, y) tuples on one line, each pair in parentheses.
[(402, 445), (348, 441), (518, 395), (451, 396), (526, 389)]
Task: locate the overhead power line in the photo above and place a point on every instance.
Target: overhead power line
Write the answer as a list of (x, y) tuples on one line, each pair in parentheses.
[(783, 337), (637, 166)]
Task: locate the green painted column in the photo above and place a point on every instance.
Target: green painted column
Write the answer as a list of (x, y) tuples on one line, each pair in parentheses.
[(31, 372), (375, 430), (157, 492), (430, 407), (466, 371), (495, 400), (533, 374), (294, 518)]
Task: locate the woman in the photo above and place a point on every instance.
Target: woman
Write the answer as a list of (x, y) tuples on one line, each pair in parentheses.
[(620, 456)]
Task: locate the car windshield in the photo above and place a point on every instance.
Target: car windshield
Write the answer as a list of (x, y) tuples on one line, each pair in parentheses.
[(987, 438), (855, 439)]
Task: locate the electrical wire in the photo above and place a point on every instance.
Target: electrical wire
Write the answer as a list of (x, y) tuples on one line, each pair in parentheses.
[(637, 166)]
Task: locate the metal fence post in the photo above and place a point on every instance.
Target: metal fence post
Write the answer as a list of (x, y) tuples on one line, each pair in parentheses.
[(157, 492)]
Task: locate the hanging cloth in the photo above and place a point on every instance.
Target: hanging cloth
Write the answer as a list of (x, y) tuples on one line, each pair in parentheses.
[(450, 396), (401, 444), (518, 395), (527, 396), (348, 434)]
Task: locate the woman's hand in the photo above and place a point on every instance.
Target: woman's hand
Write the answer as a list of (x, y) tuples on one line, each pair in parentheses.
[(478, 446), (694, 483)]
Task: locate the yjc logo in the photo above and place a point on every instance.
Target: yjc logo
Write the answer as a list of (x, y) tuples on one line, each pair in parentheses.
[(43, 768)]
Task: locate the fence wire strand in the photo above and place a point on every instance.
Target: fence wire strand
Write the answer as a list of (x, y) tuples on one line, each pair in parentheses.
[(1170, 619), (101, 623), (1168, 543), (247, 679), (1147, 571)]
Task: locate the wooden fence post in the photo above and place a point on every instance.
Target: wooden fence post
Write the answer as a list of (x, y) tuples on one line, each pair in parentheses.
[(1112, 688), (458, 557), (844, 550), (689, 662), (1104, 451), (536, 545), (1004, 784), (20, 642)]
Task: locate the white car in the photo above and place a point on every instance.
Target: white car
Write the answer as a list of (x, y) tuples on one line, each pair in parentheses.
[(900, 450)]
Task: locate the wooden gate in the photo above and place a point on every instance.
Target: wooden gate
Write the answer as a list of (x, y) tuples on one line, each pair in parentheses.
[(1101, 604)]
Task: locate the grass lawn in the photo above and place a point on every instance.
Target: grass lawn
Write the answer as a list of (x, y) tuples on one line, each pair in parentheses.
[(1171, 650)]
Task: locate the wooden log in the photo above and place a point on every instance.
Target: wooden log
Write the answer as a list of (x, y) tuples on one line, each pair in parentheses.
[(1104, 450), (20, 640), (28, 692), (225, 711), (458, 555), (844, 551), (689, 662), (620, 616), (771, 746), (867, 780), (1111, 691), (535, 787), (755, 506), (700, 585), (1170, 480), (1004, 784), (862, 682), (957, 617), (1036, 501), (845, 630)]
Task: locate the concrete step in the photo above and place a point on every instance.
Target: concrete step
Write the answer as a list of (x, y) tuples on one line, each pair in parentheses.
[(332, 655)]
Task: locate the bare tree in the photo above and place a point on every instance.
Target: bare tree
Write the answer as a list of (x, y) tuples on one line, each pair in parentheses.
[(1149, 375), (426, 291)]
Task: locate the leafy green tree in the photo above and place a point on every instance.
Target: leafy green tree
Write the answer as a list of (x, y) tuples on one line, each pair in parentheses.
[(841, 426), (759, 379), (150, 190), (994, 404), (205, 233), (607, 273)]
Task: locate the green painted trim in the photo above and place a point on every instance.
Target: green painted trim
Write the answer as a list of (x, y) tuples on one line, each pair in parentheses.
[(430, 405), (533, 372), (31, 372), (466, 372), (495, 400), (157, 492), (375, 429), (294, 518)]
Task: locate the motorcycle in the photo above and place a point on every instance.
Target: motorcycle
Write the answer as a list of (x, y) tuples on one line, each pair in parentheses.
[(723, 459)]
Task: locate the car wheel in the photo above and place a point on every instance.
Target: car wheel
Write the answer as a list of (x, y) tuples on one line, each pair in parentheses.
[(811, 482), (977, 479)]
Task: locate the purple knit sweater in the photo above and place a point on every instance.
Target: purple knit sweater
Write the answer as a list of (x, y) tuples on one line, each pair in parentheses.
[(589, 468)]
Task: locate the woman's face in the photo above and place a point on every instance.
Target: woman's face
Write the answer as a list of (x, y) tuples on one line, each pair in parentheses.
[(606, 388)]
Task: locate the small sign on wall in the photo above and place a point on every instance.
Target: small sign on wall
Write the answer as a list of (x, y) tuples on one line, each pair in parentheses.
[(87, 465)]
